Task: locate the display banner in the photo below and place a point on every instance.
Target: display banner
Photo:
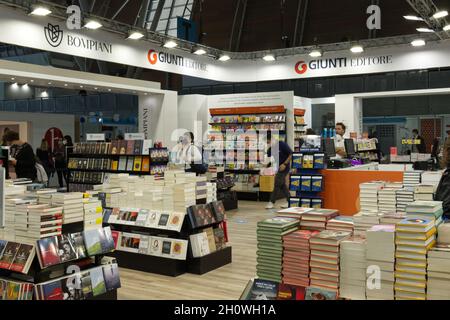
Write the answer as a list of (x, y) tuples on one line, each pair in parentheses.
[(48, 34), (95, 137), (134, 136)]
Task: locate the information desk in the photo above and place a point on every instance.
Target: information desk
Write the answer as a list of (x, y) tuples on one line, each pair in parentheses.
[(341, 187)]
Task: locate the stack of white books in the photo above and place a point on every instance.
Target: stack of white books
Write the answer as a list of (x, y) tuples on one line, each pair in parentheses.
[(404, 197), (72, 203), (201, 189), (211, 192), (412, 178), (168, 198), (392, 217), (432, 178), (424, 192), (12, 206), (341, 223), (174, 176), (353, 269), (387, 200), (93, 214), (44, 221), (183, 196), (153, 198), (380, 255), (368, 195), (438, 270), (363, 221)]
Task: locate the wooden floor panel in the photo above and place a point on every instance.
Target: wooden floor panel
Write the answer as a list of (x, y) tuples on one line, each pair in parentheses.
[(225, 283)]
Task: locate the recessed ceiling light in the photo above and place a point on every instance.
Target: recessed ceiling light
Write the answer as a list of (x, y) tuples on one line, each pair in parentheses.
[(31, 80), (440, 14), (13, 79), (224, 57), (413, 18), (200, 52), (170, 44), (109, 90), (418, 43), (425, 30), (93, 25), (49, 83), (81, 86), (357, 49), (135, 35), (316, 53), (95, 88), (25, 85), (40, 11), (269, 57), (146, 94), (447, 27), (65, 84)]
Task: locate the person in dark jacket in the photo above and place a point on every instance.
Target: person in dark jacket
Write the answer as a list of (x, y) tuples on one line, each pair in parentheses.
[(23, 156), (443, 190), (44, 156), (420, 148)]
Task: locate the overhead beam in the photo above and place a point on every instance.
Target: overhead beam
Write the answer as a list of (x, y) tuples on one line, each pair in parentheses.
[(425, 9), (169, 17), (119, 10), (157, 15)]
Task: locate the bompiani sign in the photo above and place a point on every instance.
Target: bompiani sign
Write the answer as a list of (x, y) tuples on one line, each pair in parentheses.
[(55, 36)]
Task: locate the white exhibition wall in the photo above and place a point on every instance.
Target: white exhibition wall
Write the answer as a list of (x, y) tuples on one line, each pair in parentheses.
[(39, 123)]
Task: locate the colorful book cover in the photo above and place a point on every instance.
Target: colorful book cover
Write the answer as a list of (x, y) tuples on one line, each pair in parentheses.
[(163, 220), (305, 183), (86, 284), (48, 251), (122, 164), (92, 239), (122, 147), (107, 240), (130, 163), (111, 275), (98, 282), (137, 164), (53, 290), (78, 244), (295, 183), (114, 165), (71, 288), (9, 254), (130, 147), (316, 184), (219, 237), (313, 293), (319, 161), (12, 291), (156, 246), (166, 247), (66, 250), (145, 164), (114, 147), (21, 261), (297, 161), (290, 292), (305, 203), (264, 290), (138, 144), (219, 210)]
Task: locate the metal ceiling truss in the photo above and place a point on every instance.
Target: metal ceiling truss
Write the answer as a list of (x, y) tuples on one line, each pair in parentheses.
[(426, 9), (157, 38)]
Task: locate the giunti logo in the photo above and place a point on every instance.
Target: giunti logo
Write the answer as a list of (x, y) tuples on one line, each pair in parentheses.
[(301, 67), (152, 56)]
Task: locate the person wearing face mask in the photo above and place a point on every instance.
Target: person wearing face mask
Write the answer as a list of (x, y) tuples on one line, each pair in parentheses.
[(23, 158)]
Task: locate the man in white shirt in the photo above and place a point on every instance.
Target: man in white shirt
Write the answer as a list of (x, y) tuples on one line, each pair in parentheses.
[(339, 140)]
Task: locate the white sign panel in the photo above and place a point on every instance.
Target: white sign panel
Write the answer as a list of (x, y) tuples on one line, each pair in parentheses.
[(50, 34), (95, 137), (134, 136)]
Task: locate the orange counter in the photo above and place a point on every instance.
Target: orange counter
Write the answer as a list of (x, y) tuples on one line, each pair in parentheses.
[(341, 187)]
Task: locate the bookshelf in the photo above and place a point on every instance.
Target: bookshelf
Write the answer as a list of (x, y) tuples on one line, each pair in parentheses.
[(239, 138), (91, 161), (368, 149), (299, 127), (160, 242)]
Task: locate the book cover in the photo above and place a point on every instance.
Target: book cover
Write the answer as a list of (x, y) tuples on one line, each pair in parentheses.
[(122, 147), (23, 258), (107, 240), (53, 290), (130, 163), (92, 239), (86, 284), (211, 240), (176, 221), (77, 242), (219, 210), (114, 147), (48, 252), (111, 275), (71, 288), (179, 249), (156, 246), (145, 164), (12, 290), (130, 147), (138, 145), (114, 165), (153, 219), (163, 220), (166, 247), (313, 293), (3, 244), (137, 166), (122, 164), (264, 290), (66, 250), (219, 238), (98, 282), (290, 292)]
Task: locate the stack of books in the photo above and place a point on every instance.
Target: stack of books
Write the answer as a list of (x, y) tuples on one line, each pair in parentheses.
[(363, 221), (412, 178), (414, 237), (270, 235), (424, 192), (431, 210), (152, 198), (387, 200), (392, 217), (201, 188), (211, 192), (168, 197), (325, 259), (380, 255), (44, 221), (353, 266), (341, 223), (183, 196), (368, 196), (432, 178), (296, 257), (294, 212), (404, 197), (438, 284), (317, 219), (72, 204), (93, 211)]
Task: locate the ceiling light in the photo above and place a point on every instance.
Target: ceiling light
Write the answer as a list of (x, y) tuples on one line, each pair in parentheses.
[(25, 86), (81, 87), (40, 11), (13, 79), (418, 43), (109, 90), (49, 83), (93, 25), (315, 53), (357, 49), (44, 94), (224, 57), (425, 30), (135, 35), (170, 44), (31, 80), (15, 85), (440, 14), (95, 88), (200, 52), (65, 84), (413, 18), (269, 57), (447, 27)]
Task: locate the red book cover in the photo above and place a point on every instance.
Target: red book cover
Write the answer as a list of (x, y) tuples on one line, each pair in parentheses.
[(115, 235), (48, 252), (53, 290), (289, 292), (9, 254), (130, 147), (22, 256)]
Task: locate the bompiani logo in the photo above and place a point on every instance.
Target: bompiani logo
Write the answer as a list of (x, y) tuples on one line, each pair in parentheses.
[(53, 34)]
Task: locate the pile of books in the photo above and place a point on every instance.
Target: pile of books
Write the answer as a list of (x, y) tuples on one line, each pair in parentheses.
[(16, 256), (380, 255), (363, 221), (412, 178), (353, 266), (341, 223), (431, 210), (368, 196), (438, 271), (93, 211), (14, 290), (317, 219), (424, 192), (392, 217), (44, 221), (325, 259), (387, 200), (183, 196), (414, 237), (432, 178), (404, 197), (294, 212), (296, 257), (12, 205), (211, 191), (270, 233), (207, 241), (72, 204)]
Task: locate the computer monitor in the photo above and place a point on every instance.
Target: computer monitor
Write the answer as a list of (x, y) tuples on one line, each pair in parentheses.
[(349, 147), (328, 147)]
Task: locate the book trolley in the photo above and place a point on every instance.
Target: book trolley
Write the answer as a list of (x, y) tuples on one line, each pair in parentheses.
[(159, 248), (63, 267)]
